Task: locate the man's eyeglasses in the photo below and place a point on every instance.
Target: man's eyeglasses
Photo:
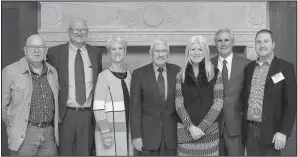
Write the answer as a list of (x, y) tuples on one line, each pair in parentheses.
[(161, 51), (39, 48), (76, 31)]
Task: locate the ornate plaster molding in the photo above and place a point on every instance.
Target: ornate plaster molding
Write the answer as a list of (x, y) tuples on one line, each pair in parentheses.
[(256, 16), (164, 15), (141, 22), (50, 16), (133, 37)]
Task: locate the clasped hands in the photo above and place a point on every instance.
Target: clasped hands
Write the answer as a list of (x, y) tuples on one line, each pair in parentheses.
[(279, 139), (107, 142), (196, 132)]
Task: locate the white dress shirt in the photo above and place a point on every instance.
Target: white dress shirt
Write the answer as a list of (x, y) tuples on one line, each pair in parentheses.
[(71, 101), (229, 63)]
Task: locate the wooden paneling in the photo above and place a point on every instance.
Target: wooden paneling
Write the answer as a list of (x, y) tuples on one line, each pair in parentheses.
[(19, 21), (10, 36), (283, 23)]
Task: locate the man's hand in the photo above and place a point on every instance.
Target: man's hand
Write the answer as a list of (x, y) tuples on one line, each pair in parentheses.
[(138, 143), (107, 142), (196, 132), (279, 140)]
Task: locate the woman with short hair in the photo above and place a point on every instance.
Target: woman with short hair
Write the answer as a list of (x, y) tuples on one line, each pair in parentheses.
[(111, 104)]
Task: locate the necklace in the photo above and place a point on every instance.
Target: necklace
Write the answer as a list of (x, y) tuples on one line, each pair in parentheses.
[(118, 75)]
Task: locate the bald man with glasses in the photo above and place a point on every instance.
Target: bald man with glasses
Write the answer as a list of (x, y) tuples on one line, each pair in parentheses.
[(30, 102)]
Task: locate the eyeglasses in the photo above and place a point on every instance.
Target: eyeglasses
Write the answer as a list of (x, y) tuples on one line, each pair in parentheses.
[(76, 31), (39, 48), (161, 51)]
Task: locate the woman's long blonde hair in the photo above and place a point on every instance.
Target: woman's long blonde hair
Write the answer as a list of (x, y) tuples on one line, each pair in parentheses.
[(208, 65)]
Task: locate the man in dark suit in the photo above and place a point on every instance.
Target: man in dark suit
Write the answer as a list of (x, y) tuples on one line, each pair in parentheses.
[(78, 65), (152, 104), (232, 68), (270, 99)]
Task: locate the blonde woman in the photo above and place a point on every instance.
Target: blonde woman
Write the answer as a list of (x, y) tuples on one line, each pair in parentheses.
[(111, 104), (198, 100)]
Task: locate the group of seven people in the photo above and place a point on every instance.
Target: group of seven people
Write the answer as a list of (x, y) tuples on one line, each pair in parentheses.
[(208, 107)]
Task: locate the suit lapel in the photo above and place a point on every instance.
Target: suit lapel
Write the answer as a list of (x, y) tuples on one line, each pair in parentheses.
[(234, 69), (171, 82), (93, 60), (64, 63), (215, 61), (272, 70)]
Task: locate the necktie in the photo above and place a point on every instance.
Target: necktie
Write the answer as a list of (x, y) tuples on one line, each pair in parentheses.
[(225, 75), (161, 84), (80, 79)]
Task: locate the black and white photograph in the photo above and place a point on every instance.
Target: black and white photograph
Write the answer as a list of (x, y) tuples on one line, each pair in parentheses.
[(149, 78)]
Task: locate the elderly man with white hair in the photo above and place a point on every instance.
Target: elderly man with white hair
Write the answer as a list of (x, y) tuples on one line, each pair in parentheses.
[(78, 65), (152, 104), (231, 65)]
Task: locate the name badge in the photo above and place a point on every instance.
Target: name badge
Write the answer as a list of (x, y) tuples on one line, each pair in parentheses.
[(277, 77)]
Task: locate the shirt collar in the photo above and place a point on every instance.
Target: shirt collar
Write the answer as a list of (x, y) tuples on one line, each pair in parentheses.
[(155, 67), (25, 66), (45, 68), (268, 61), (74, 49), (228, 59)]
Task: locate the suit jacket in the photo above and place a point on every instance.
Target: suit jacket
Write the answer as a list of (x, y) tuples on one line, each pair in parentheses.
[(232, 111), (279, 102), (58, 57), (149, 115)]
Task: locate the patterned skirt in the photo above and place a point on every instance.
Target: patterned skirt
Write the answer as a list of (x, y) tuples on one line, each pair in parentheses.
[(208, 145)]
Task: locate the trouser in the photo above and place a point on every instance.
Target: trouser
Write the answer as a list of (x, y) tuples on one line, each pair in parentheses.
[(254, 144), (38, 142), (76, 133), (233, 145), (163, 150)]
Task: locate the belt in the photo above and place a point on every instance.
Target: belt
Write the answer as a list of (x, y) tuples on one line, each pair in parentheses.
[(253, 122), (41, 124), (79, 108)]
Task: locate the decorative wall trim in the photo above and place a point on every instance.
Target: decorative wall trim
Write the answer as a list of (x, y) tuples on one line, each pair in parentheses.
[(50, 16), (145, 37), (256, 16), (141, 22)]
